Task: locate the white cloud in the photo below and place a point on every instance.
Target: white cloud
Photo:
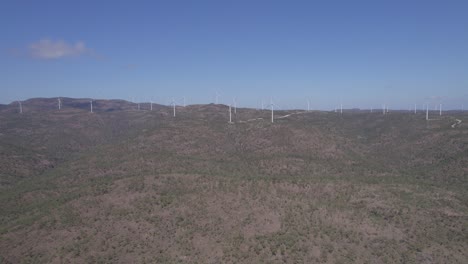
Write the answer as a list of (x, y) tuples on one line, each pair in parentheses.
[(49, 49)]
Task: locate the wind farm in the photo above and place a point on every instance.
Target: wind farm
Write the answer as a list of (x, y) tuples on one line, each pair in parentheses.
[(234, 132), (155, 173)]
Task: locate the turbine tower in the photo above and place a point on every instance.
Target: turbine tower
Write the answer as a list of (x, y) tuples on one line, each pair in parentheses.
[(173, 105), (151, 105), (427, 112), (230, 115), (59, 104), (440, 109), (415, 109), (272, 107), (91, 106), (20, 107)]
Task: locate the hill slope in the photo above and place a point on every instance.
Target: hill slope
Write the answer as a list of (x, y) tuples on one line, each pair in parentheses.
[(134, 186)]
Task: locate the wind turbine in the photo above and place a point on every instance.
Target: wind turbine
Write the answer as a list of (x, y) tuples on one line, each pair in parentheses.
[(415, 109), (59, 104), (440, 109), (151, 105), (230, 115), (91, 106), (341, 108), (20, 107), (272, 107), (173, 105), (308, 105), (427, 111)]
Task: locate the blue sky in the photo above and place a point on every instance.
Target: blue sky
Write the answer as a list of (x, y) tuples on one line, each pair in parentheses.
[(364, 53)]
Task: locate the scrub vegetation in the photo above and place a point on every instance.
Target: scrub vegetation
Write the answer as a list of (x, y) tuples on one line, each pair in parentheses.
[(126, 186)]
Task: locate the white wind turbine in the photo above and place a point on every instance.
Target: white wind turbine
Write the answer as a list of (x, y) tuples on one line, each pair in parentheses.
[(427, 111), (59, 103), (20, 107), (173, 106), (91, 105), (230, 115), (415, 108), (272, 105), (440, 109)]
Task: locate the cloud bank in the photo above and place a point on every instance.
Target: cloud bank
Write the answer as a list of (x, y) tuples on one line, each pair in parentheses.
[(49, 49)]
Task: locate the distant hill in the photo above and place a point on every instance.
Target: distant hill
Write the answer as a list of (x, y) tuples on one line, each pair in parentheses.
[(49, 104)]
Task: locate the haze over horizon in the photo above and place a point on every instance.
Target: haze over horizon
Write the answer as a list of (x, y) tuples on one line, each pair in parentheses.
[(363, 54)]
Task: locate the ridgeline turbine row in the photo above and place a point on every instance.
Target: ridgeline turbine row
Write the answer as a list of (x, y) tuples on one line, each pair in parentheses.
[(271, 105)]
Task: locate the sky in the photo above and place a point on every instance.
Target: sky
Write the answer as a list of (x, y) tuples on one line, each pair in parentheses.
[(359, 53)]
